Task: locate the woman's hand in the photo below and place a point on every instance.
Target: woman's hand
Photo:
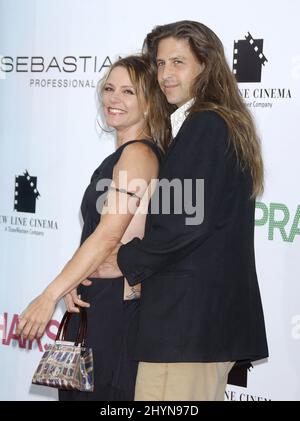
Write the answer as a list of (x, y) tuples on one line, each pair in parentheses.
[(73, 300), (33, 321)]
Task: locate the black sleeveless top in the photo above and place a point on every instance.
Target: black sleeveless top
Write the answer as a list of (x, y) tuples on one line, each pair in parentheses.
[(112, 322), (90, 215)]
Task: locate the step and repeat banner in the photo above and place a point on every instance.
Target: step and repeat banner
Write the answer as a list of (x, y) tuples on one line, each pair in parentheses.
[(52, 54)]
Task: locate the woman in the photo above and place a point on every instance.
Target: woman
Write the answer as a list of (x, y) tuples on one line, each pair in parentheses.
[(129, 99)]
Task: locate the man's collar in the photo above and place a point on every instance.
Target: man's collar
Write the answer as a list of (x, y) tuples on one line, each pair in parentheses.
[(178, 117)]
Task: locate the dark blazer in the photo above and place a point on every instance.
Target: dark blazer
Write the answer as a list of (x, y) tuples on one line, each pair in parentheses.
[(200, 299)]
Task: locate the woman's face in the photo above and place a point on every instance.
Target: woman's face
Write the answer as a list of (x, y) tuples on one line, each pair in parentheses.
[(120, 102)]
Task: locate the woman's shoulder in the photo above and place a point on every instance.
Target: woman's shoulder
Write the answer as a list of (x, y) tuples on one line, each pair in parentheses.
[(140, 149)]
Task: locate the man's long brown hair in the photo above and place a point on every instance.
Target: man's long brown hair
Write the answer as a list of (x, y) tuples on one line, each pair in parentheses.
[(216, 89)]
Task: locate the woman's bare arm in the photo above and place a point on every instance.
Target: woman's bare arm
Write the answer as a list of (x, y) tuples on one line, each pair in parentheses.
[(138, 162)]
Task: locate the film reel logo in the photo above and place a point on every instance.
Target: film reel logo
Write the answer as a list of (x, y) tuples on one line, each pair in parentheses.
[(248, 59), (25, 193)]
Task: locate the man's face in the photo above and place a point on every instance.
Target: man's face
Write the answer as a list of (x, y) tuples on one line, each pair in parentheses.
[(177, 68)]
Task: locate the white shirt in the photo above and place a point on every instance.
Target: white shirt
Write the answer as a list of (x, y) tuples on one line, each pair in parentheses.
[(178, 117)]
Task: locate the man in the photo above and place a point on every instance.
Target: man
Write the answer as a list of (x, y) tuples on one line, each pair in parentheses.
[(200, 302)]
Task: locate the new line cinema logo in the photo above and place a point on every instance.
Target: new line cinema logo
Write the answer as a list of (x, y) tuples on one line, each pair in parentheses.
[(26, 193), (249, 61), (25, 196)]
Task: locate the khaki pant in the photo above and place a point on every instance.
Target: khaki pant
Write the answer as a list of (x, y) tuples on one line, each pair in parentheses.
[(182, 381)]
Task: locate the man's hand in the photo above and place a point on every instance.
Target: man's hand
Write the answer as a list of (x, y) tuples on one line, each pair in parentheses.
[(109, 268)]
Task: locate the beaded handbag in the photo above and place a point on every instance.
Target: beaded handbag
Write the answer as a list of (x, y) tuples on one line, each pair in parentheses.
[(67, 365)]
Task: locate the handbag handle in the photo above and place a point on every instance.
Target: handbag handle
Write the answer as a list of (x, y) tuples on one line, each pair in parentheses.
[(82, 329)]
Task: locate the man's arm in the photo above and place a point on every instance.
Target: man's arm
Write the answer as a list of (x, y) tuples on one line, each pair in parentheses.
[(202, 156)]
